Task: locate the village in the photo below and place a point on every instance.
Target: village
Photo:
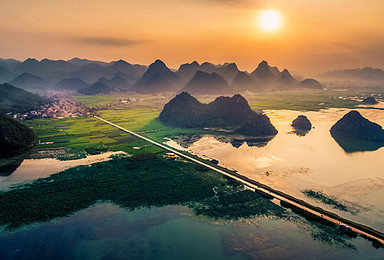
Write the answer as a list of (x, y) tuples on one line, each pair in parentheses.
[(64, 107)]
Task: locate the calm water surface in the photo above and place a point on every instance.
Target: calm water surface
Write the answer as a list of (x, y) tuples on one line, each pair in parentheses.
[(293, 163)]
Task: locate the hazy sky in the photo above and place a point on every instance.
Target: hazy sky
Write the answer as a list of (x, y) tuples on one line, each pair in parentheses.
[(315, 36)]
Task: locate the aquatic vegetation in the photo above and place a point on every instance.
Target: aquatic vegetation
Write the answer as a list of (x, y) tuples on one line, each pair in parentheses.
[(332, 201), (140, 181)]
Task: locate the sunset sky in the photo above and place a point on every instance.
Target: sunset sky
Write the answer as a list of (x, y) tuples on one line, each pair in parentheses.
[(314, 36)]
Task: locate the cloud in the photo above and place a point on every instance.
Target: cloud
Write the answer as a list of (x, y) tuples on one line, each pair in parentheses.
[(107, 41)]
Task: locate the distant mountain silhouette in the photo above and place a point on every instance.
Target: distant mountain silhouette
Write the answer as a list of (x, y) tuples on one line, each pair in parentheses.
[(263, 73), (119, 83), (244, 81), (71, 84), (29, 81), (354, 133), (95, 89), (45, 68), (116, 83), (86, 70), (204, 83), (5, 75), (15, 138), (366, 74), (311, 84), (157, 79), (124, 67), (274, 70), (228, 71), (224, 112), (271, 79), (90, 72), (81, 62), (8, 64), (17, 100), (187, 71), (286, 80)]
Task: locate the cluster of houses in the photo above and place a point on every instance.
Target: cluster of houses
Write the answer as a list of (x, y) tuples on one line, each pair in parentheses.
[(59, 109)]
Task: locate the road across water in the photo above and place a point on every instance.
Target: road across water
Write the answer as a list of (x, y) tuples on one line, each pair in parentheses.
[(282, 197)]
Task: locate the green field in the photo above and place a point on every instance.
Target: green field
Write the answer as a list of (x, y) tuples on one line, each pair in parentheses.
[(84, 135)]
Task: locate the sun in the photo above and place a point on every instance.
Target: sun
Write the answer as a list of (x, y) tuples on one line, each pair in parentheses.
[(269, 21)]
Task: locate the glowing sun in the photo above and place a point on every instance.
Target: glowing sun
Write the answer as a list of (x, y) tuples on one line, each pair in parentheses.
[(270, 20)]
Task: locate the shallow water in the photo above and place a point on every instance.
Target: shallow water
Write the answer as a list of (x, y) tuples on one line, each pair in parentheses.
[(105, 231), (31, 169), (292, 163)]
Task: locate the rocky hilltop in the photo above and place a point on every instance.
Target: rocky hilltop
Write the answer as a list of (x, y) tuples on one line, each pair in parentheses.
[(15, 138), (158, 78), (354, 125), (232, 113)]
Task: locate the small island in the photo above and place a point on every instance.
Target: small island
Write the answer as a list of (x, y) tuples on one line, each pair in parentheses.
[(355, 133), (301, 123), (370, 101)]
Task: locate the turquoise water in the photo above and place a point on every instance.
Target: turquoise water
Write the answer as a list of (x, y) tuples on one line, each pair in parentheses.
[(105, 231)]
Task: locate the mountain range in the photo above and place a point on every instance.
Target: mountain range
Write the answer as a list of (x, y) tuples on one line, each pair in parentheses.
[(198, 79), (365, 75)]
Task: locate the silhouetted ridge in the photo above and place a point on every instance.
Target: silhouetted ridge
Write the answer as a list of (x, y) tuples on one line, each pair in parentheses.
[(95, 89), (71, 84), (204, 83), (263, 72), (29, 81), (158, 78), (5, 75)]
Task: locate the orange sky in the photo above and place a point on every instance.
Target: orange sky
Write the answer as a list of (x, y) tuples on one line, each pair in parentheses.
[(315, 36)]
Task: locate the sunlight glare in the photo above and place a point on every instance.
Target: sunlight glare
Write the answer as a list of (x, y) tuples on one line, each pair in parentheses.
[(270, 20)]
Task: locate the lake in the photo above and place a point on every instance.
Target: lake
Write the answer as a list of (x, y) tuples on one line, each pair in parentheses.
[(293, 163)]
